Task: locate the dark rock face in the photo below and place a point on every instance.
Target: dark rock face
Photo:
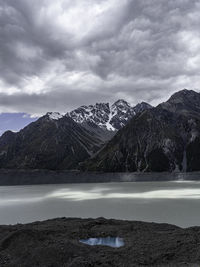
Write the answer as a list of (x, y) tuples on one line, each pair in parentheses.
[(52, 142), (141, 107), (185, 102), (56, 243), (165, 138)]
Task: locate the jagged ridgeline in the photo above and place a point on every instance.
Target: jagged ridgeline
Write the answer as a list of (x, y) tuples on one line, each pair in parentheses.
[(164, 138), (112, 117), (111, 138), (58, 141)]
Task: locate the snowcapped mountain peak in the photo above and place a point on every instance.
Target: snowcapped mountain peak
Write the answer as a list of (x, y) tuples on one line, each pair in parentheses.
[(121, 105), (121, 112), (98, 113), (54, 115), (121, 102), (111, 118)]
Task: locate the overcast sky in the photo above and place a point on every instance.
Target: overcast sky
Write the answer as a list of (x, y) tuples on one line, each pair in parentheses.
[(59, 54)]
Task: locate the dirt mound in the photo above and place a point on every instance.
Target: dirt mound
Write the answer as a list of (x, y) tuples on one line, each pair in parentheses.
[(55, 243)]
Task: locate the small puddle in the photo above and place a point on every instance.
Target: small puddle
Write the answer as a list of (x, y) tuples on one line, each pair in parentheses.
[(114, 242)]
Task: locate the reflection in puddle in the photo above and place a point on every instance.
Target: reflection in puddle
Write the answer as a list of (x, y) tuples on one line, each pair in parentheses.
[(114, 242)]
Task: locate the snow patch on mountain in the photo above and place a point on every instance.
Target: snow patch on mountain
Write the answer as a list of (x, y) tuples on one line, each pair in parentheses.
[(108, 125), (111, 118), (54, 115)]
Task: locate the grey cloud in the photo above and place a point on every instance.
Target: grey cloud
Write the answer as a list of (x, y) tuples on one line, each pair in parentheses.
[(40, 104), (137, 49)]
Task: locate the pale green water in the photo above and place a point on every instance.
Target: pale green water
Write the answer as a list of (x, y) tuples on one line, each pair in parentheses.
[(171, 202)]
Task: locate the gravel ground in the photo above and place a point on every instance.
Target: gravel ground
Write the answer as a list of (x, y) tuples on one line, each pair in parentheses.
[(55, 243)]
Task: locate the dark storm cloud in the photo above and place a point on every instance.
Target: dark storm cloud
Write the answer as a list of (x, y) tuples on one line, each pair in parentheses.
[(56, 55)]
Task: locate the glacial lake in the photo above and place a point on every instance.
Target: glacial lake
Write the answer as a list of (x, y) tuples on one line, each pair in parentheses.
[(170, 202)]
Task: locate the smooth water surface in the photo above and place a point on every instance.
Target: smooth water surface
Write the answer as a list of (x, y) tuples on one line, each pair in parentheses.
[(171, 202), (114, 242)]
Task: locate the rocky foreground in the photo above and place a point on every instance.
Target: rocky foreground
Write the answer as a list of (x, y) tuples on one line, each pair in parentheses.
[(56, 243)]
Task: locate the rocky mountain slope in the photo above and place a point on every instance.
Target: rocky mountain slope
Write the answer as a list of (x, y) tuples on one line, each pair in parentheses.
[(57, 141), (165, 138), (183, 102), (52, 142), (108, 117)]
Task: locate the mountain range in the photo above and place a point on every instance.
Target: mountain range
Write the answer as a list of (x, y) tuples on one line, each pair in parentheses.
[(111, 138), (164, 138), (57, 141), (112, 117)]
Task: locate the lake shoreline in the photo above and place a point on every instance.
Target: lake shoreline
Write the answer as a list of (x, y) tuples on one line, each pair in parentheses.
[(33, 177), (56, 243)]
